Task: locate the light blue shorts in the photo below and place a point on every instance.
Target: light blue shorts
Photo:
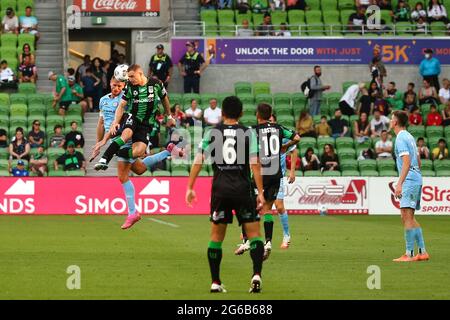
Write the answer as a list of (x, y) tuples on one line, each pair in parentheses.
[(411, 196), (280, 195)]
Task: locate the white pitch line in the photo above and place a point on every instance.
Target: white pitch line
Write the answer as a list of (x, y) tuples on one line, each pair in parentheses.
[(165, 223)]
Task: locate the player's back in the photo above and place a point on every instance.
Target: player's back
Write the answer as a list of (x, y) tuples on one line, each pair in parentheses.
[(405, 144), (229, 148)]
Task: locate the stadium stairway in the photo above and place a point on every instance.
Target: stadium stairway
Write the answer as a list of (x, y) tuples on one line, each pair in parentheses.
[(90, 133), (49, 55)]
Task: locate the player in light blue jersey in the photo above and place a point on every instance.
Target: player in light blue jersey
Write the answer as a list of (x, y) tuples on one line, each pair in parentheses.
[(409, 187), (108, 106)]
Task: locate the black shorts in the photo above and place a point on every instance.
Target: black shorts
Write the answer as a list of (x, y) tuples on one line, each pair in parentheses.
[(141, 133), (65, 105), (222, 210), (271, 187)]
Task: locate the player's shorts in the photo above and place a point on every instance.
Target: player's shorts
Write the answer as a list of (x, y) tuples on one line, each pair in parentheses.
[(222, 210), (271, 188), (65, 105), (280, 195), (140, 132), (411, 196)]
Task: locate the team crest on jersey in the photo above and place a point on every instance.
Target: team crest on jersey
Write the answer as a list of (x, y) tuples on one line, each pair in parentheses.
[(135, 92), (150, 89), (115, 104)]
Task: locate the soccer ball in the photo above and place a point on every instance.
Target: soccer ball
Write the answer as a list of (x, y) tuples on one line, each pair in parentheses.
[(121, 73), (323, 210)]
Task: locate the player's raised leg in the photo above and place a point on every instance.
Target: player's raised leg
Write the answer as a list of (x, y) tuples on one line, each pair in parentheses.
[(113, 148), (123, 169)]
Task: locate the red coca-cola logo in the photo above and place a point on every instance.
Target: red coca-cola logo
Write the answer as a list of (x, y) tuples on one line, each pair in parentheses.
[(115, 5)]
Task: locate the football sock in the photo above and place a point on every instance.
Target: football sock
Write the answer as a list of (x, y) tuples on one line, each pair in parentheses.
[(257, 253), (244, 235), (152, 160), (409, 239), (115, 145), (126, 153), (285, 223), (214, 258), (268, 226), (128, 187), (419, 239)]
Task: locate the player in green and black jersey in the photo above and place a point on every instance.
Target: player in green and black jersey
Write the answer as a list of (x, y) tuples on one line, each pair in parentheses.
[(233, 151), (142, 96)]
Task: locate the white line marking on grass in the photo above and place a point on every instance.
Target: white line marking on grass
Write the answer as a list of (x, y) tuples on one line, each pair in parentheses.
[(165, 223)]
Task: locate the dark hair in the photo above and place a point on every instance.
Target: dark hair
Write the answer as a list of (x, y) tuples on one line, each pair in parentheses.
[(430, 5), (420, 139), (303, 115), (411, 84), (89, 70), (274, 116), (442, 140), (100, 61), (134, 67), (34, 122), (232, 107), (331, 149), (26, 45), (264, 110), (414, 108), (29, 7), (384, 131), (433, 106), (58, 126), (19, 129), (315, 67), (71, 71), (402, 118), (308, 151), (392, 82), (4, 61), (73, 123), (324, 117), (192, 100)]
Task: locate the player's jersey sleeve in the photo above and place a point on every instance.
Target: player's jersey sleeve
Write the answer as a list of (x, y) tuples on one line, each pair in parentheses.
[(127, 92), (204, 144), (287, 133), (253, 143), (100, 107), (161, 91), (401, 146)]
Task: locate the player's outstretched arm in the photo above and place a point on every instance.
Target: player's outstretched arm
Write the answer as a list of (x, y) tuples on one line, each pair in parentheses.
[(195, 170), (405, 169), (294, 156), (166, 105), (100, 129), (255, 166), (118, 116)]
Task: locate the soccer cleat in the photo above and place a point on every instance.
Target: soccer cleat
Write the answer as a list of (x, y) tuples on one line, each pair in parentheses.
[(286, 242), (255, 284), (404, 258), (422, 257), (175, 150), (102, 164), (218, 288), (131, 220), (245, 246), (267, 250)]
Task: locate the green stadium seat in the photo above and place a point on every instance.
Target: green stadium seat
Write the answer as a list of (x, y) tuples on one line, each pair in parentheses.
[(4, 120), (441, 165), (188, 97), (223, 95), (281, 99), (438, 28), (4, 153), (404, 28), (264, 98), (279, 17), (53, 120), (18, 98), (23, 4), (314, 22), (257, 19), (348, 165), (347, 84), (386, 165), (331, 174), (180, 173), (261, 88), (344, 142), (329, 5), (4, 164), (417, 131), (206, 97), (175, 98), (208, 16), (426, 165), (346, 153), (369, 173), (367, 165), (4, 99), (58, 173), (247, 98), (307, 142), (9, 40), (298, 99), (27, 88), (388, 173), (322, 141), (312, 173), (226, 22), (283, 110), (433, 142), (346, 4), (428, 173), (75, 173), (434, 131), (26, 38), (243, 16), (242, 88), (350, 173), (443, 173), (18, 110)]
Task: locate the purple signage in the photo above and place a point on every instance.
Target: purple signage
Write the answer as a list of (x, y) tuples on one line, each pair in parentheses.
[(313, 51)]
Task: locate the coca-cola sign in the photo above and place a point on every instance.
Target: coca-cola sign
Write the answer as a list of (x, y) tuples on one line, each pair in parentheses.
[(118, 7)]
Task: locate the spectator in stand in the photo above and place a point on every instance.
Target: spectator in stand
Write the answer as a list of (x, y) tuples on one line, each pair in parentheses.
[(224, 4), (57, 140), (10, 22), (428, 93), (296, 5), (279, 5), (77, 93), (75, 136), (436, 12), (385, 4), (329, 160), (242, 6), (19, 148), (36, 136), (415, 118), (409, 98), (26, 52), (390, 94), (441, 151), (71, 160), (20, 170), (323, 129), (347, 104), (430, 69), (365, 103), (418, 12), (339, 126), (305, 125), (245, 31), (284, 31), (81, 70), (27, 71), (375, 71), (178, 115), (421, 26), (424, 152), (3, 138), (161, 66), (374, 91), (113, 63), (446, 115), (29, 23), (194, 114), (213, 115), (383, 147), (265, 28), (191, 67), (7, 76), (259, 6), (362, 128), (90, 84), (444, 92), (402, 12), (366, 153), (38, 163), (310, 161), (208, 4), (357, 20), (378, 124), (317, 89), (63, 95), (381, 105), (434, 118), (365, 3)]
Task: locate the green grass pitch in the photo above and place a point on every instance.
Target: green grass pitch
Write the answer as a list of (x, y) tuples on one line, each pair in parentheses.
[(328, 259)]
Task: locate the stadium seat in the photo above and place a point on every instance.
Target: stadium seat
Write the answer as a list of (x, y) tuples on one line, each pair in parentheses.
[(296, 21), (261, 88), (226, 22), (314, 22), (312, 173), (18, 98), (180, 173), (175, 98), (368, 164), (18, 110), (307, 142), (385, 165), (75, 173), (347, 84), (346, 153), (348, 165), (281, 99), (434, 131), (4, 153), (322, 141), (443, 173), (369, 173), (257, 19), (26, 38), (426, 164), (388, 173), (246, 98), (27, 88), (441, 165), (346, 4), (344, 142), (53, 120), (331, 174), (264, 98), (4, 120), (350, 173), (428, 173), (279, 17), (438, 28), (417, 131), (9, 40), (161, 173), (298, 99), (242, 88), (243, 16), (187, 98), (433, 142)]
